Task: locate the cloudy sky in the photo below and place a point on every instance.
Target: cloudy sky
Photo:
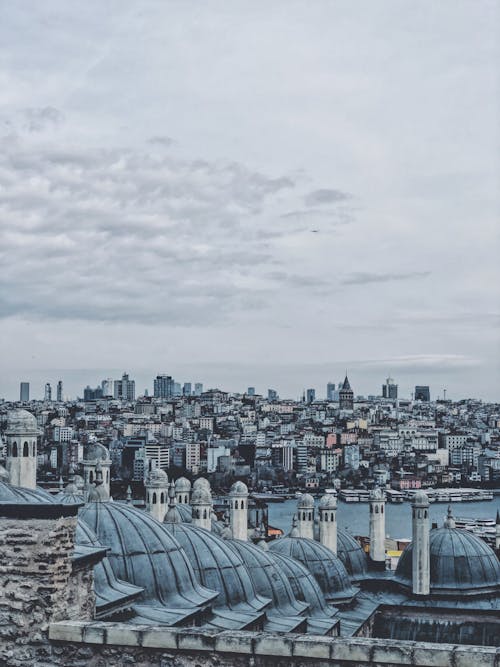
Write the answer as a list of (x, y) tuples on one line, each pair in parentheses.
[(251, 193)]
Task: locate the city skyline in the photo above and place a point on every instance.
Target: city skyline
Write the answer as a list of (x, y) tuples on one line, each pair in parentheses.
[(302, 184)]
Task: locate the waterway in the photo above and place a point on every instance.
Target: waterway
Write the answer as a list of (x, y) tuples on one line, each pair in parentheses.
[(354, 516)]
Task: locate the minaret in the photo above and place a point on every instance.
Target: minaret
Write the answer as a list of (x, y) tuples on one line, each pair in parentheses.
[(238, 512), (328, 521), (172, 515), (201, 504), (420, 551), (182, 490), (156, 493), (377, 528), (305, 516), (20, 440)]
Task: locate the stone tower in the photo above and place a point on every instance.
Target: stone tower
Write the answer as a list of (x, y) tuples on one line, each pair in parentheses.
[(238, 513), (182, 490), (305, 516), (328, 521), (421, 554), (346, 395), (20, 440), (377, 528), (201, 504), (94, 453), (156, 485)]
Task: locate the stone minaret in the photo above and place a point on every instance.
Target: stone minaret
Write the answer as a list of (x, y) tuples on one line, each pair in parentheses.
[(305, 516), (182, 490), (201, 504), (377, 528), (328, 521), (421, 557), (20, 440), (238, 512), (156, 493)]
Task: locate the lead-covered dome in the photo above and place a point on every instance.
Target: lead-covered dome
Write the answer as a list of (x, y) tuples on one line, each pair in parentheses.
[(145, 554), (306, 501), (351, 554), (239, 489), (460, 564), (21, 422), (327, 569), (182, 485), (20, 494)]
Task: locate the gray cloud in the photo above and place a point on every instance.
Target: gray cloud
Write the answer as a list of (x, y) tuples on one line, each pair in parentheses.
[(325, 196), (365, 278)]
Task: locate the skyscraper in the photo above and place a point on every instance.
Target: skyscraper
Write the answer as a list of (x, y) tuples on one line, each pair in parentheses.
[(330, 391), (186, 389), (251, 391), (163, 386), (390, 389), (125, 388), (198, 388), (59, 391), (346, 396), (48, 391), (311, 395), (422, 393), (24, 391), (107, 387), (272, 395)]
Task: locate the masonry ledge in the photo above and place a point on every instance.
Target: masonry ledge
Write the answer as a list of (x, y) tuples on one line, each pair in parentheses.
[(346, 650)]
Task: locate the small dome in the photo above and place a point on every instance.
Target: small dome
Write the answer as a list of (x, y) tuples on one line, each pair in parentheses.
[(94, 451), (421, 498), (157, 477), (21, 422), (201, 482), (460, 564), (239, 489), (306, 501), (328, 569), (328, 502), (201, 496), (20, 494), (97, 494), (351, 554), (376, 494), (182, 485)]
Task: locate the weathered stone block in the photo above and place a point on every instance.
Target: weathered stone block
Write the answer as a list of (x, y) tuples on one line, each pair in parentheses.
[(270, 644), (234, 641), (354, 650), (312, 647), (191, 639), (474, 656), (433, 655), (389, 652), (159, 637)]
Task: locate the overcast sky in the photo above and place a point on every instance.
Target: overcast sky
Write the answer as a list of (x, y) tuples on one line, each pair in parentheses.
[(251, 193)]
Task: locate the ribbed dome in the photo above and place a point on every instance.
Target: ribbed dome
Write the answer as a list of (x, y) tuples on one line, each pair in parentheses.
[(201, 496), (306, 501), (460, 564), (201, 482), (218, 567), (328, 502), (19, 494), (327, 568), (239, 489), (182, 485), (144, 553), (21, 422), (351, 554), (70, 496)]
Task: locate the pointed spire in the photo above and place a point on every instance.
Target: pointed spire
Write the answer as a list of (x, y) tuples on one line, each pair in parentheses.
[(295, 531), (449, 521), (498, 518), (129, 495), (172, 515), (346, 386), (61, 483)]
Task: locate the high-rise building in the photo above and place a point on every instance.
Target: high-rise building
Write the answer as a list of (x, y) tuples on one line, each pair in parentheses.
[(272, 395), (125, 388), (310, 395), (90, 394), (59, 391), (24, 391), (177, 389), (390, 389), (163, 386), (251, 391), (48, 391), (187, 389), (346, 396), (107, 387), (198, 388), (330, 391), (422, 393)]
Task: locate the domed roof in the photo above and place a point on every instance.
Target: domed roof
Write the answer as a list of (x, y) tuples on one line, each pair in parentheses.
[(201, 482), (20, 494), (21, 422), (70, 495), (460, 564), (94, 451), (201, 496), (145, 554), (328, 569), (306, 501), (376, 494), (328, 502), (157, 477), (219, 568), (269, 579), (186, 517), (182, 485), (239, 489), (420, 498), (351, 554)]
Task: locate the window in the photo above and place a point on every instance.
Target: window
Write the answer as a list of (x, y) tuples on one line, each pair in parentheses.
[(14, 449), (26, 449), (154, 498)]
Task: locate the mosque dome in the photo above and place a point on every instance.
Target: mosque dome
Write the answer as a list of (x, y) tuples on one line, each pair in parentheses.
[(460, 564), (142, 552), (239, 489), (94, 451), (306, 501), (201, 496), (328, 569), (185, 512), (20, 494), (328, 502), (21, 422), (201, 482), (157, 477), (351, 554), (420, 498), (376, 494), (70, 495), (220, 568), (182, 485)]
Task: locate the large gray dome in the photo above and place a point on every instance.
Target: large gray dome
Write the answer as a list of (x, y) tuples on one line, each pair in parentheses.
[(145, 554), (222, 569), (351, 554), (20, 494), (21, 422), (460, 564), (327, 568)]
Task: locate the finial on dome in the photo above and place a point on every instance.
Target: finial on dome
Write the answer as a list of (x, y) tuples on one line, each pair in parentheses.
[(449, 521), (129, 494), (172, 515), (295, 531)]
